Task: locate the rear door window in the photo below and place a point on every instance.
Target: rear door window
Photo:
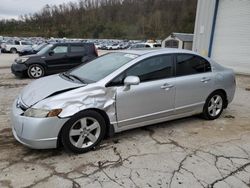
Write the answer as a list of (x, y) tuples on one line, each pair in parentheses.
[(77, 49), (187, 64)]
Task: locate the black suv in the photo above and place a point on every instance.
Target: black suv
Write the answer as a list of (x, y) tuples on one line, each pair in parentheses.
[(54, 58)]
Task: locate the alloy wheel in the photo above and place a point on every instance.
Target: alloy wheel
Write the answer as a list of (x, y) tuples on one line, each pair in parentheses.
[(84, 132), (215, 105), (36, 71)]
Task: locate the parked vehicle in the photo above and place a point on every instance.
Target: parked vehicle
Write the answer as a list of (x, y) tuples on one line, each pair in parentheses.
[(32, 50), (117, 92), (113, 46), (124, 45), (98, 45), (54, 58), (145, 45), (15, 46)]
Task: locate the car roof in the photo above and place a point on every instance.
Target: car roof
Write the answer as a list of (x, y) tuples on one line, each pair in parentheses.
[(156, 50)]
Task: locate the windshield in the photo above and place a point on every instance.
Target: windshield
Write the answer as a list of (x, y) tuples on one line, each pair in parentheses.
[(26, 43), (45, 49), (103, 66)]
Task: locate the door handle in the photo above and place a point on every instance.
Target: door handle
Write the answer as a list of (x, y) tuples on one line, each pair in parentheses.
[(205, 79), (167, 86)]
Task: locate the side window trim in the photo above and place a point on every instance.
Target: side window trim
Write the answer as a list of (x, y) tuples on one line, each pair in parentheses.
[(124, 72)]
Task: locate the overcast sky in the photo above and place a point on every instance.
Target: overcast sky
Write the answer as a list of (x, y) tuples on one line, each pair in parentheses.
[(15, 8)]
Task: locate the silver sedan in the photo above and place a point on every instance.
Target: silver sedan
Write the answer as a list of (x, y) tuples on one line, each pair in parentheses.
[(117, 92)]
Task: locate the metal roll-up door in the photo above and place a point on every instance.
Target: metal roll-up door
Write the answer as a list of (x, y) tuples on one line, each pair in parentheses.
[(231, 44)]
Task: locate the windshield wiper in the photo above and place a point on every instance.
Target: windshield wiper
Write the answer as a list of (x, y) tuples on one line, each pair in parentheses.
[(77, 78)]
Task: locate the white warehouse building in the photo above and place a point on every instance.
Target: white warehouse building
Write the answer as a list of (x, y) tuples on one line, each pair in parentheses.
[(222, 32)]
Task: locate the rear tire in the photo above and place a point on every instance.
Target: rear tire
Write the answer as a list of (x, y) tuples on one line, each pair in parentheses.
[(214, 105), (35, 71), (84, 131)]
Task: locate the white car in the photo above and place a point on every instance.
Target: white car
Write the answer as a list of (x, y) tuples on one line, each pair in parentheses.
[(145, 45), (16, 46), (98, 46), (113, 47)]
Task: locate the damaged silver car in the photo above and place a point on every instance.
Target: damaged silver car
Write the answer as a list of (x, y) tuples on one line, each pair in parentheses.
[(117, 92)]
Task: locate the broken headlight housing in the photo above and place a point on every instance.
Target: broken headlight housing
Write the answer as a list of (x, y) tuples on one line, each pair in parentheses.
[(41, 113)]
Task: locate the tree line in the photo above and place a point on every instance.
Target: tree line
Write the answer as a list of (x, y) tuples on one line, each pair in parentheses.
[(127, 19)]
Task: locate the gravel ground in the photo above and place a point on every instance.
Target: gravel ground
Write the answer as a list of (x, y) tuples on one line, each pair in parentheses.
[(7, 59), (189, 152)]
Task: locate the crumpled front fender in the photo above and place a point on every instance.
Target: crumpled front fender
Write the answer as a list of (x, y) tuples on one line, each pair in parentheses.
[(80, 99)]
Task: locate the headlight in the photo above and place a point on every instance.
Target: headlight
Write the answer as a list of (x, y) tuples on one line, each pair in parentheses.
[(41, 113), (21, 59)]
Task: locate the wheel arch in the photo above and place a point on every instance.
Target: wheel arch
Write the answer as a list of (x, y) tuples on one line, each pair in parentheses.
[(109, 128), (37, 63), (13, 48)]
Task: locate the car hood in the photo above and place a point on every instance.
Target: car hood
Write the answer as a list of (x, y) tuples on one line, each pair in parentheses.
[(46, 87), (32, 55)]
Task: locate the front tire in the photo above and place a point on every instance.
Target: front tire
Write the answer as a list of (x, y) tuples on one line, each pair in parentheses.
[(214, 105), (36, 71), (83, 131)]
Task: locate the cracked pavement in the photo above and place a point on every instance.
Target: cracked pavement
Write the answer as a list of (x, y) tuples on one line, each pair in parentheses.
[(190, 152)]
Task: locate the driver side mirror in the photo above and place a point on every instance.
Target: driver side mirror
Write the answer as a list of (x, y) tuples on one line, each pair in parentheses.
[(131, 80)]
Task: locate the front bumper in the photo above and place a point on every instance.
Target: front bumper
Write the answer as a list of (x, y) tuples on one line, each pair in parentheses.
[(19, 69), (37, 133)]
